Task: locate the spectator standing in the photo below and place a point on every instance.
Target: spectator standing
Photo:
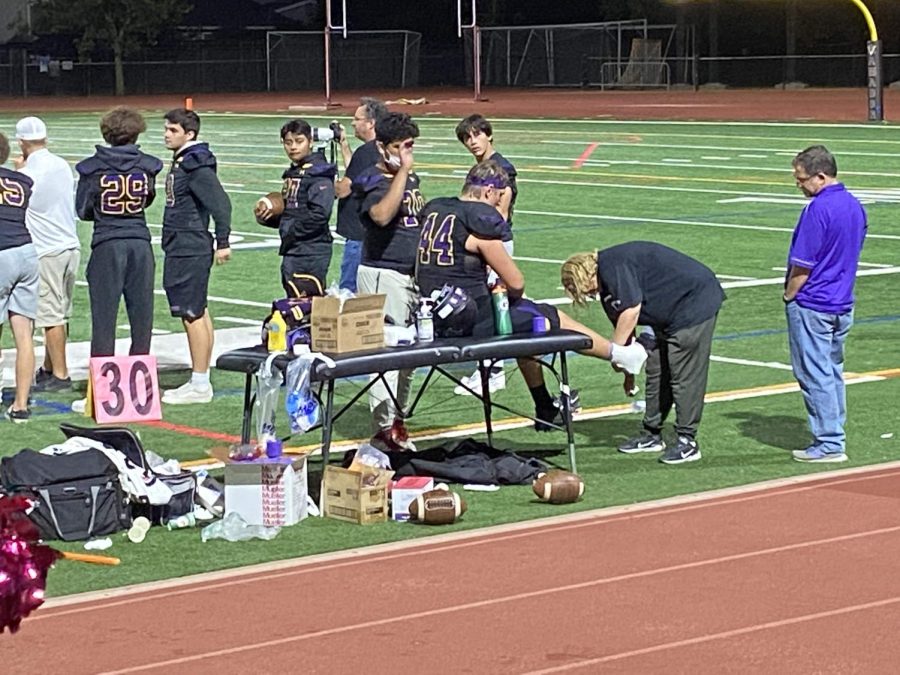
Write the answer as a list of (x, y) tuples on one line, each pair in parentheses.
[(365, 156), (51, 222), (818, 296), (193, 195), (308, 192), (477, 134), (646, 283), (19, 279), (390, 204), (115, 186)]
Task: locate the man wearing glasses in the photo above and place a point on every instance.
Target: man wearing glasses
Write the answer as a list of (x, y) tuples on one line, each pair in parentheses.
[(818, 297)]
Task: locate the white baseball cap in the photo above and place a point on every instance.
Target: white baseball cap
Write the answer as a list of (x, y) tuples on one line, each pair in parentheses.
[(31, 129)]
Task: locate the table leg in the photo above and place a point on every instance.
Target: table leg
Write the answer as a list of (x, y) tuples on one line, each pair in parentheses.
[(485, 372), (248, 409), (566, 401), (327, 420)]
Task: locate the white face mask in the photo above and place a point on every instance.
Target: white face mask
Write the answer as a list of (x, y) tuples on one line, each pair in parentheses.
[(392, 161)]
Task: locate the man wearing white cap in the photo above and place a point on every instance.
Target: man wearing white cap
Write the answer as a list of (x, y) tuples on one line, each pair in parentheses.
[(51, 221)]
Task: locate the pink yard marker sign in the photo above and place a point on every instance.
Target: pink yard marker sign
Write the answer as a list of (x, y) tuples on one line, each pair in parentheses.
[(125, 389)]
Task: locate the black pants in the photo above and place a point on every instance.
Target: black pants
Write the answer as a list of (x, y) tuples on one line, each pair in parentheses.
[(313, 265), (677, 372), (117, 268)]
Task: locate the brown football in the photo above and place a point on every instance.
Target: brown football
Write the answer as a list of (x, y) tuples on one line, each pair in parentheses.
[(437, 507), (273, 201), (558, 487)]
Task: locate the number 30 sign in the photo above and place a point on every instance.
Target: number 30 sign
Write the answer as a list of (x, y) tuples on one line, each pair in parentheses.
[(124, 389)]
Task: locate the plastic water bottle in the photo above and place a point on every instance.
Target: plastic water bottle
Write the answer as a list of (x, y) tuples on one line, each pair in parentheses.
[(186, 520), (277, 338), (502, 320), (425, 320)]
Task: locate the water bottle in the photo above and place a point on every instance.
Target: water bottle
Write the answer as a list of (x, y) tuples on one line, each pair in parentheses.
[(502, 320), (277, 338), (425, 320), (186, 520)]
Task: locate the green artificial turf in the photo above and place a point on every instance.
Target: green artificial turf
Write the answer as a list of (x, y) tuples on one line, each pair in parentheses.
[(722, 193)]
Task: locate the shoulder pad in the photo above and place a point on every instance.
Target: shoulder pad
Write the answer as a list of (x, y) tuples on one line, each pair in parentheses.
[(505, 164), (319, 167), (151, 164), (368, 180)]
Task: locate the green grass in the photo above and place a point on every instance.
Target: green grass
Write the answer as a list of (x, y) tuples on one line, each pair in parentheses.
[(675, 183)]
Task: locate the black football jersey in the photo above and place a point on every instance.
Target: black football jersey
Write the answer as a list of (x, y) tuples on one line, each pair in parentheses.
[(308, 191), (394, 245), (447, 223), (507, 166), (115, 186), (15, 191)]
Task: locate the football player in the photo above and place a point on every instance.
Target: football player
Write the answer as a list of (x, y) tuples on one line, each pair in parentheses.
[(193, 194), (115, 187), (390, 204), (19, 279), (461, 238), (308, 192), (476, 133)]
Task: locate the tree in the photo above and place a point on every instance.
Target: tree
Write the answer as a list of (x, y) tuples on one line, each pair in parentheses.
[(123, 26)]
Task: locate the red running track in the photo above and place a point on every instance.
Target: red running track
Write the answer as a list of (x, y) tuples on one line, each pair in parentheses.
[(797, 578)]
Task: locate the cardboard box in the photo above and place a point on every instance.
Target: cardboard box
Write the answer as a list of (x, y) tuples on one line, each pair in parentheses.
[(270, 492), (359, 324), (406, 489), (356, 496)]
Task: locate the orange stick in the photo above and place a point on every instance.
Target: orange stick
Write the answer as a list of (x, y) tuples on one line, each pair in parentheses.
[(95, 559)]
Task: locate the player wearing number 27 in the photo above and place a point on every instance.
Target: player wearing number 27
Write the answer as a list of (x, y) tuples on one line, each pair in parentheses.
[(115, 186)]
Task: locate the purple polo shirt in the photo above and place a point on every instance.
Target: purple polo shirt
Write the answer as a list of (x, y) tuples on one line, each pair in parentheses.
[(828, 240)]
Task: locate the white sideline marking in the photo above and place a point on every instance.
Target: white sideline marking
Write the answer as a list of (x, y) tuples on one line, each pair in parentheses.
[(754, 156), (672, 160), (715, 158), (747, 362), (763, 200)]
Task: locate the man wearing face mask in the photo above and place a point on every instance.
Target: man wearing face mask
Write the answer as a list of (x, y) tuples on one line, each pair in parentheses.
[(390, 205), (308, 192)]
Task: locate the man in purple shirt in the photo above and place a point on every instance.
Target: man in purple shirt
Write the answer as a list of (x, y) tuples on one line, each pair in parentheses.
[(818, 297)]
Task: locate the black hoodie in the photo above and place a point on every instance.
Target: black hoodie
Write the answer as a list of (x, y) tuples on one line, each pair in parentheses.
[(115, 186)]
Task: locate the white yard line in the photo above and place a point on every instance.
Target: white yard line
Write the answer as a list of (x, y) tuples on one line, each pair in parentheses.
[(747, 362)]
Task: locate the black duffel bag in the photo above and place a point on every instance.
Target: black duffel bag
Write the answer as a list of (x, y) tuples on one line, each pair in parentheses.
[(76, 496)]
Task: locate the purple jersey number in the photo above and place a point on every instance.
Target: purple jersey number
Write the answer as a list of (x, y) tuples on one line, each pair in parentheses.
[(122, 195), (437, 239)]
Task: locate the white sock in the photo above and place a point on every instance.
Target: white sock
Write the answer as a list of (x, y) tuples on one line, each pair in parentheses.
[(200, 380)]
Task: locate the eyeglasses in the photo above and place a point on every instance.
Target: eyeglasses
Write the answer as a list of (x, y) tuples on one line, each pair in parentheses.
[(804, 179)]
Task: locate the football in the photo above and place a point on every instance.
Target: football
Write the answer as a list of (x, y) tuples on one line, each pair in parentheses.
[(268, 207), (437, 507), (558, 487)]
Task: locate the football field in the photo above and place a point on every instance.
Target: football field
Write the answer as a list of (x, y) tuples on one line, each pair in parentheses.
[(720, 192)]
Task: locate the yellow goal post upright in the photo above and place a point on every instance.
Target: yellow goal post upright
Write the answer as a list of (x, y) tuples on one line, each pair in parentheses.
[(874, 74)]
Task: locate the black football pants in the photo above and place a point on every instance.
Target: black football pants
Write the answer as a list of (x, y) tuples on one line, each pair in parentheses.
[(117, 268)]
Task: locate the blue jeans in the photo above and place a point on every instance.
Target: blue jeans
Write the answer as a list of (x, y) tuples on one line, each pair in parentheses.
[(816, 341), (349, 263)]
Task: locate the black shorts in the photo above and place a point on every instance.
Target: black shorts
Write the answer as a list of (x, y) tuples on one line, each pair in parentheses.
[(186, 282), (477, 320), (301, 267)]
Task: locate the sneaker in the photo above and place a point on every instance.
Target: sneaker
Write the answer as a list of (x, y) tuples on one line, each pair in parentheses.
[(40, 375), (400, 436), (686, 450), (646, 442), (549, 420), (814, 455), (472, 384), (52, 383), (188, 393), (18, 416), (79, 406)]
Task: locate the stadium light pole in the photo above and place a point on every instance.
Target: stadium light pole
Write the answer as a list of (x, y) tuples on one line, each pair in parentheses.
[(874, 73)]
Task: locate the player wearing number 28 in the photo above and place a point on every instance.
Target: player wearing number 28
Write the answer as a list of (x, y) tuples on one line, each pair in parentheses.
[(390, 204), (115, 186)]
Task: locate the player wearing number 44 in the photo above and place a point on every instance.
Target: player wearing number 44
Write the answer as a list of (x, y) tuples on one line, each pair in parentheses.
[(193, 194), (115, 186)]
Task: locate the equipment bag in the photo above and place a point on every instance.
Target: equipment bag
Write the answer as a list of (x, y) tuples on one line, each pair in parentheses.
[(123, 439), (75, 496)]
